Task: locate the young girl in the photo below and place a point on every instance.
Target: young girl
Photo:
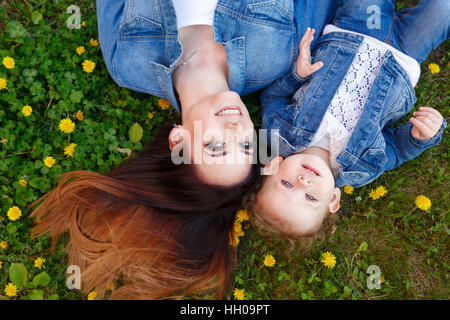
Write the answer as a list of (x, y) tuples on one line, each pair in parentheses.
[(335, 132)]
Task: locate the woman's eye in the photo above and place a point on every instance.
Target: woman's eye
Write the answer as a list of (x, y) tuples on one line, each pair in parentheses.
[(215, 147), (287, 184), (310, 197)]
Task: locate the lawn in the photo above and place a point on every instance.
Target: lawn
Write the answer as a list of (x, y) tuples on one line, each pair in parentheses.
[(384, 249)]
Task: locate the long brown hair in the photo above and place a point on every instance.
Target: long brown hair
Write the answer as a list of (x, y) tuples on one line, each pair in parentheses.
[(149, 225)]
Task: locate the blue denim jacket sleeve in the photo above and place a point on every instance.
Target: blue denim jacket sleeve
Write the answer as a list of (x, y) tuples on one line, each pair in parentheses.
[(279, 94), (401, 146)]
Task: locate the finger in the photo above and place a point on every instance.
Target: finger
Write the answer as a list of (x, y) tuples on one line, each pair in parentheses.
[(428, 115), (424, 130), (316, 66), (305, 36), (306, 41), (433, 111), (430, 124)]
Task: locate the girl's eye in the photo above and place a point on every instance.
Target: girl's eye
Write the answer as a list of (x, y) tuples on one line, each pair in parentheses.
[(246, 145), (310, 197), (287, 184), (215, 147)]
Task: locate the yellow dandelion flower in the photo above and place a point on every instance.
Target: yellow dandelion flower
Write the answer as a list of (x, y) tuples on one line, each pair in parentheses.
[(2, 83), (4, 140), (269, 260), (237, 227), (92, 295), (14, 213), (39, 263), (83, 24), (373, 194), (26, 110), (10, 290), (3, 244), (381, 191), (328, 260), (234, 240), (8, 62), (1, 262), (66, 125), (69, 150), (88, 66), (150, 115), (49, 161), (434, 68), (348, 189), (163, 104), (80, 50), (239, 294), (242, 216), (23, 182), (93, 42), (79, 115), (423, 203)]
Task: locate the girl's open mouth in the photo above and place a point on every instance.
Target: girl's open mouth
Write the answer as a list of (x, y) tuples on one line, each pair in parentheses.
[(311, 169)]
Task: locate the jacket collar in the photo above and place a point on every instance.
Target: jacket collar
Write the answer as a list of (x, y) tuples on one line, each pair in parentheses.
[(235, 49)]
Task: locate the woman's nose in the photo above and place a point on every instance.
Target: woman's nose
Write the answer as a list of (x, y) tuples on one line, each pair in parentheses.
[(233, 126), (304, 181)]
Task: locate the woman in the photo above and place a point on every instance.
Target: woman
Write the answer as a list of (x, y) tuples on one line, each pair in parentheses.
[(160, 228)]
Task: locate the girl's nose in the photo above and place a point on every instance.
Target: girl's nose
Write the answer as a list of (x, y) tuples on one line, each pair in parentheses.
[(304, 181)]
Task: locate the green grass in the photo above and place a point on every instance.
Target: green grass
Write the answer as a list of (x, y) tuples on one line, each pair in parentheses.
[(409, 246)]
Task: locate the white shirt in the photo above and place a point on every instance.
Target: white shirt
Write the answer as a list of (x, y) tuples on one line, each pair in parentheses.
[(190, 12)]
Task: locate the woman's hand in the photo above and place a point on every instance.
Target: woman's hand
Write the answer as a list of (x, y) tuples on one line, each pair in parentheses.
[(304, 67), (426, 123)]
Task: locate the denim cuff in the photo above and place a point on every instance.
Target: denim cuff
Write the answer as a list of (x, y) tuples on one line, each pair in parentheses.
[(293, 79), (427, 143)]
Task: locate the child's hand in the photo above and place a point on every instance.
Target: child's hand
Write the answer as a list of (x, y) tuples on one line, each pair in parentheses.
[(304, 67), (426, 123)]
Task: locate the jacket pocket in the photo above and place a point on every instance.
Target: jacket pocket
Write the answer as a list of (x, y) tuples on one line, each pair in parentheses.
[(140, 27), (272, 11), (140, 19), (375, 156), (396, 106)]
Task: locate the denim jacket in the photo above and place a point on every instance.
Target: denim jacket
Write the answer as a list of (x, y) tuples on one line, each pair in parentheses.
[(373, 147), (141, 44)]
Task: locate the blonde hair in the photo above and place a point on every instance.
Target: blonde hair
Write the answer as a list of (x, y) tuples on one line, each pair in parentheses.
[(268, 227)]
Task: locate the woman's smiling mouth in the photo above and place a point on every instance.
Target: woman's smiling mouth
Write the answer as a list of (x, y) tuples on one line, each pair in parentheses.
[(235, 111)]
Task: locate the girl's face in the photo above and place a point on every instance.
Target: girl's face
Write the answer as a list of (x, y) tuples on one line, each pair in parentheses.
[(300, 193), (220, 133)]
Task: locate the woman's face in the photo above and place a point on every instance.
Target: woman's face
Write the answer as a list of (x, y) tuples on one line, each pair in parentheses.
[(220, 132)]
